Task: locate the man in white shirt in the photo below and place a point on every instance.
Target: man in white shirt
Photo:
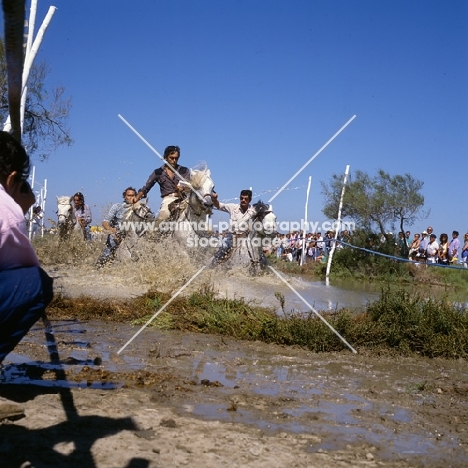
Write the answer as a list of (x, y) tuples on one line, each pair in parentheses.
[(432, 249), (240, 219)]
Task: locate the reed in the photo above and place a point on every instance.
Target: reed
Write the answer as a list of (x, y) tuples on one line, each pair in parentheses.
[(399, 322)]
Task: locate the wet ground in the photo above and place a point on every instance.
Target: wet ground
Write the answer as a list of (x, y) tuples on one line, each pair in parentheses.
[(232, 403)]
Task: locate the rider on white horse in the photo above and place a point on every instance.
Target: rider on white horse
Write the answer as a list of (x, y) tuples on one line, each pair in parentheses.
[(168, 177), (111, 223), (82, 213)]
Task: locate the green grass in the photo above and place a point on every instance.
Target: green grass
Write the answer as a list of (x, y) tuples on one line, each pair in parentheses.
[(399, 322)]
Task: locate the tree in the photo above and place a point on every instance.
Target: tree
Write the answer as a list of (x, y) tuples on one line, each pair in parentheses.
[(376, 202), (46, 111)]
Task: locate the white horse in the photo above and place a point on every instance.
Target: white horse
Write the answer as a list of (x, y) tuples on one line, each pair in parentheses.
[(189, 221), (66, 222)]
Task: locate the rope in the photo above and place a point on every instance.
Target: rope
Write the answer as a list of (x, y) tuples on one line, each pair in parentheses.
[(265, 191), (393, 257)]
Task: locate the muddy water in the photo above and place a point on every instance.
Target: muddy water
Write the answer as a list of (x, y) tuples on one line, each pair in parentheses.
[(336, 399), (301, 294)]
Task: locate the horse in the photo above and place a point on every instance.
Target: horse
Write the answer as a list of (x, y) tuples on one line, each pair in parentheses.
[(188, 220), (66, 222), (246, 250), (260, 235)]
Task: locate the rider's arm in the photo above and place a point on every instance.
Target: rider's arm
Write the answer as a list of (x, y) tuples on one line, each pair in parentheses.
[(152, 179), (107, 227), (111, 216), (214, 197)]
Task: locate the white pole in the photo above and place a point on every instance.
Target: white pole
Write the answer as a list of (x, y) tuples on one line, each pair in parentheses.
[(305, 221), (43, 204), (31, 208), (332, 250), (31, 55), (23, 107), (31, 25)]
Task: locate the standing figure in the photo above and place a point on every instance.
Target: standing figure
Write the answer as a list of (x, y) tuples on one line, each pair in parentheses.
[(25, 289), (36, 220), (464, 254), (442, 254), (432, 249), (82, 213), (454, 248)]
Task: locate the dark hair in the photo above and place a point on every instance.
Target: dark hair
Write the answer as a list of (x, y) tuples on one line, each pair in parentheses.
[(37, 209), (80, 196), (126, 190), (455, 232), (246, 192), (171, 149), (13, 158)]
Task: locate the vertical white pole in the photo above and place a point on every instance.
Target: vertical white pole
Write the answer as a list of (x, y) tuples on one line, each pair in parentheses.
[(304, 228), (31, 54), (31, 208), (332, 250), (43, 205), (31, 25)]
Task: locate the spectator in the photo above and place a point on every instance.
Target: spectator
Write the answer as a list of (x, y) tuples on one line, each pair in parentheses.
[(454, 248), (414, 247), (432, 249), (464, 254), (37, 217), (442, 253)]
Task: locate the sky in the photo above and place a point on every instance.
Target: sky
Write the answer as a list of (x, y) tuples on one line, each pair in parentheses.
[(255, 88)]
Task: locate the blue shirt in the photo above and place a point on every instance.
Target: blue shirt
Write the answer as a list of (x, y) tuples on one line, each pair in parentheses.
[(117, 212)]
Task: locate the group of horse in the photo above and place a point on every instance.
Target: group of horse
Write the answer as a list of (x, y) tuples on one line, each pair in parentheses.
[(188, 221)]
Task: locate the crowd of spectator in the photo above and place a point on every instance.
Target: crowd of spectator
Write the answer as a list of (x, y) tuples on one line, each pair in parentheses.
[(317, 246), (425, 247), (422, 248)]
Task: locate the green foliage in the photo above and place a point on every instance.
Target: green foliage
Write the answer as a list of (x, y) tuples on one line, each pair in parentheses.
[(399, 322), (46, 111), (375, 203)]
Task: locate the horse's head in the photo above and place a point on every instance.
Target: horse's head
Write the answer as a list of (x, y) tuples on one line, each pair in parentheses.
[(64, 209), (142, 210), (202, 186), (264, 220)]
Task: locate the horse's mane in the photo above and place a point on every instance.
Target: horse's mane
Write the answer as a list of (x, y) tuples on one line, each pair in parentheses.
[(198, 175), (64, 200), (261, 208)]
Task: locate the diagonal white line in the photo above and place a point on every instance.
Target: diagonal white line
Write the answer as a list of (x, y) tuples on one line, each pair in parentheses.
[(312, 158), (159, 156), (313, 310), (160, 310)]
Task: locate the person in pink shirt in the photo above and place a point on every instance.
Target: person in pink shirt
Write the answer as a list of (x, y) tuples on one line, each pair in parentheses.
[(25, 289)]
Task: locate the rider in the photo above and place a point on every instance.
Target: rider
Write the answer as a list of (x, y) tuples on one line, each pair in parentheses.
[(168, 177), (111, 224), (82, 213), (240, 217)]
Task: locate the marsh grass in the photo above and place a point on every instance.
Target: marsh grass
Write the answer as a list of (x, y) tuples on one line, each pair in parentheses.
[(399, 322)]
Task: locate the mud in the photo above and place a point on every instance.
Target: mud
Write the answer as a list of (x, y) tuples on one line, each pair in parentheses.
[(183, 399)]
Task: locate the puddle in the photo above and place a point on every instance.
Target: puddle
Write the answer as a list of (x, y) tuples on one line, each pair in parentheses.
[(275, 389)]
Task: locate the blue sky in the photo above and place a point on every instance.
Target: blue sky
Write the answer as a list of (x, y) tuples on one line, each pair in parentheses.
[(255, 88)]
